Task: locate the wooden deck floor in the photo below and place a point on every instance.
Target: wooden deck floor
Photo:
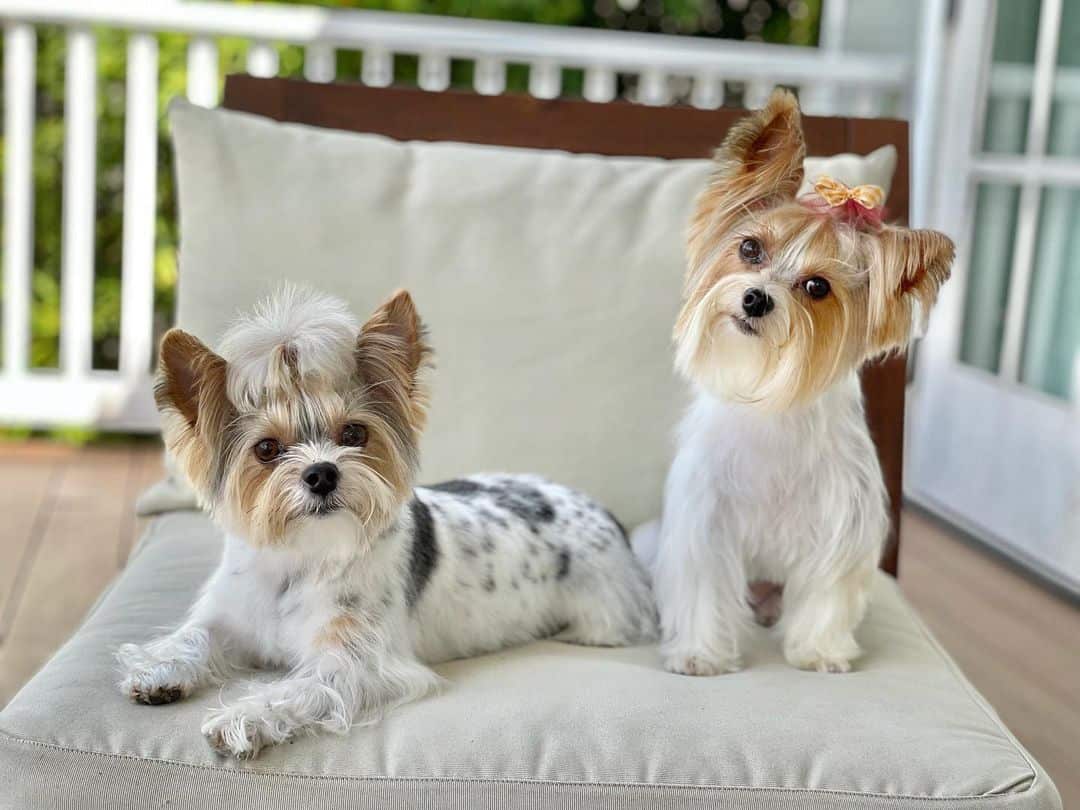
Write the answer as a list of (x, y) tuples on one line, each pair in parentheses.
[(69, 525)]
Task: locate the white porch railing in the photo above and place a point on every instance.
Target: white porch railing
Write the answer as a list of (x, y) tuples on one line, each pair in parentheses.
[(830, 81)]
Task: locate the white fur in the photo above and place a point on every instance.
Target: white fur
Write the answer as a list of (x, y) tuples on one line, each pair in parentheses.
[(794, 497), (319, 328)]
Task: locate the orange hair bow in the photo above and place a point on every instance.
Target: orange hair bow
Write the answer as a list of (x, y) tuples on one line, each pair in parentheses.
[(836, 193)]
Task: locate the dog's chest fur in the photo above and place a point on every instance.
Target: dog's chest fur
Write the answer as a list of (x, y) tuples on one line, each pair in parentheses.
[(282, 599), (782, 483)]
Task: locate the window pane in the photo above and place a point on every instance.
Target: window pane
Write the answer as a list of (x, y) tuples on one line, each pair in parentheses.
[(1064, 136), (1011, 76), (988, 276), (1052, 330)]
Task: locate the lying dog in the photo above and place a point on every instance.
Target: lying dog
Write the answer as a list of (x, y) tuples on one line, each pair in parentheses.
[(301, 439)]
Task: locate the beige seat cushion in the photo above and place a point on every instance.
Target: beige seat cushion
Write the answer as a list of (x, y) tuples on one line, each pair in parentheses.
[(546, 725)]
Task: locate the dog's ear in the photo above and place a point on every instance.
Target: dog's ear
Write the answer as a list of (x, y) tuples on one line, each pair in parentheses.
[(190, 378), (907, 268), (392, 355), (762, 155), (190, 392), (759, 164)]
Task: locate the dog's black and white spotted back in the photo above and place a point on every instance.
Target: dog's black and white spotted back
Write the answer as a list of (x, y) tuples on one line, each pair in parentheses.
[(500, 559)]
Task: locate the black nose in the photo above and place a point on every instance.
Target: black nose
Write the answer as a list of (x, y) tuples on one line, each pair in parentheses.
[(756, 303), (321, 478)]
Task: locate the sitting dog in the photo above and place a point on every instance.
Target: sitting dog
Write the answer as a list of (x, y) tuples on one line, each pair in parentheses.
[(301, 440), (776, 478)]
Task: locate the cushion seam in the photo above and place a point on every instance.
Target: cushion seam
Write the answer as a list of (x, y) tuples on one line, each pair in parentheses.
[(272, 774), (972, 694)]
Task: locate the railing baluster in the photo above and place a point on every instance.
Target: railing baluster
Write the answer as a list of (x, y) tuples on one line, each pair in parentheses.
[(20, 44), (378, 68), (320, 63), (77, 246), (433, 72), (202, 72), (817, 99), (756, 94), (708, 92), (140, 188), (545, 79), (867, 102), (262, 60), (599, 84), (653, 89), (489, 76)]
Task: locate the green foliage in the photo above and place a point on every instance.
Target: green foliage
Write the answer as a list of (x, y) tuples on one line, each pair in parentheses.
[(780, 23), (48, 181)]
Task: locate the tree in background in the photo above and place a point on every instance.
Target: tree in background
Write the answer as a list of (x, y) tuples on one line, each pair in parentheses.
[(784, 21)]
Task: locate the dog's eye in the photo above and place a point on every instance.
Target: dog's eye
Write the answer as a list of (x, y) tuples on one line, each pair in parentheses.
[(751, 251), (816, 287), (354, 435), (267, 450)]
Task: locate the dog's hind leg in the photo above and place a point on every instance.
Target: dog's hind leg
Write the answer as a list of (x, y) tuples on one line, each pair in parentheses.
[(610, 606)]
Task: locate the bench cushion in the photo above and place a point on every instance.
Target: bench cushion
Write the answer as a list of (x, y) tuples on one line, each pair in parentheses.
[(539, 726)]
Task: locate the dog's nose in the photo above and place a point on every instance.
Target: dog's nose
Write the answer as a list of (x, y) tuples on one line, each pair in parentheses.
[(321, 478), (756, 303)]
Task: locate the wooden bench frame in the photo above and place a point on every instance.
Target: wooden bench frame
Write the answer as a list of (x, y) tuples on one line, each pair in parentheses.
[(616, 128)]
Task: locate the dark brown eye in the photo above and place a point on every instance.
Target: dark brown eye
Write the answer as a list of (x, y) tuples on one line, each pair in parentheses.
[(816, 287), (751, 251), (267, 450), (354, 435)]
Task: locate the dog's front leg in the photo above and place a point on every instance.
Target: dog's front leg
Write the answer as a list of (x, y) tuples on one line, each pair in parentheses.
[(823, 612), (699, 581), (171, 667), (346, 679), (702, 613)]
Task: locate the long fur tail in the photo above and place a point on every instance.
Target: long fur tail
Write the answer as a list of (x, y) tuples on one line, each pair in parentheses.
[(645, 541)]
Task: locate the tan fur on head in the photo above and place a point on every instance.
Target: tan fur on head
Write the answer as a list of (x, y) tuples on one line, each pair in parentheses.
[(392, 357), (190, 394), (912, 267), (301, 388), (759, 163), (879, 278)]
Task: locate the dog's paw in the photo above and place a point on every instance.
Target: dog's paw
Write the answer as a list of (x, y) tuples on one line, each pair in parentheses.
[(149, 693), (152, 684), (241, 731), (818, 661), (232, 732), (696, 663), (822, 664), (833, 665)]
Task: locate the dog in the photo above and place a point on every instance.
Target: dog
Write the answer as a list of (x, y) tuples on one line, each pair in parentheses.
[(776, 478), (300, 438)]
